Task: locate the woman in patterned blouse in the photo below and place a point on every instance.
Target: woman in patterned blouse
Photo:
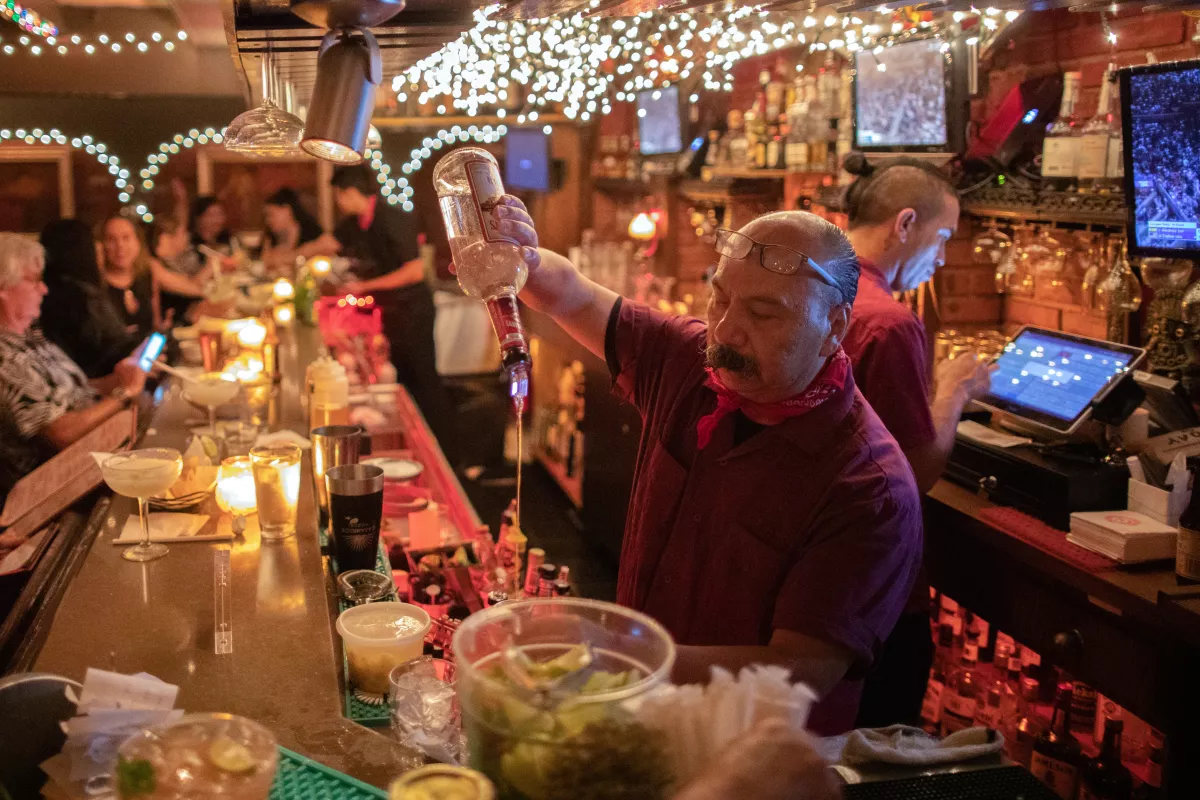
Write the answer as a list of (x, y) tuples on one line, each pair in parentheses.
[(46, 402)]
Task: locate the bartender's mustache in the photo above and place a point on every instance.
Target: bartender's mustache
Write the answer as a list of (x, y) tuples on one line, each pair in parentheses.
[(722, 356)]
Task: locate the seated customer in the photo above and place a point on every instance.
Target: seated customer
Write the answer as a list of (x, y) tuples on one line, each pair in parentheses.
[(93, 334), (45, 395), (288, 226), (169, 243), (134, 279)]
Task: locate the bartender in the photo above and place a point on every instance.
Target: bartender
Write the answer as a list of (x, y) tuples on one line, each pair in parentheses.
[(381, 241), (902, 213), (773, 518)]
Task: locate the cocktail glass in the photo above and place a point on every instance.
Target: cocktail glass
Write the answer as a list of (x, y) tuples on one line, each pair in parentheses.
[(143, 474), (199, 756), (210, 390)]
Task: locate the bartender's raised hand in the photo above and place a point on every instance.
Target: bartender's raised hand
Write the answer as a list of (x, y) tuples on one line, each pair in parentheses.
[(965, 375), (773, 762)]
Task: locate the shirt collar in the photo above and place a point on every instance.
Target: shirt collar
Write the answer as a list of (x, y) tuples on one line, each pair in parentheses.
[(367, 217), (870, 270)]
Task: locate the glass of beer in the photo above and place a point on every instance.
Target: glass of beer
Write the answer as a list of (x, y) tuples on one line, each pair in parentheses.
[(277, 488)]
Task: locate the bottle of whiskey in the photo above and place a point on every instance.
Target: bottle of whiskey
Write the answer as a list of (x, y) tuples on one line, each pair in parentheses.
[(988, 713), (1060, 150), (935, 689), (1056, 753), (1105, 777), (1187, 545), (1095, 142), (963, 690)]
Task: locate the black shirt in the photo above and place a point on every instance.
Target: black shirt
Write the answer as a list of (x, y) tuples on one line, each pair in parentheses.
[(135, 304), (387, 244), (309, 230)]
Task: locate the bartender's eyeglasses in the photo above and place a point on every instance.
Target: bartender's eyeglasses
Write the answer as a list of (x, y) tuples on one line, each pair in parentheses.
[(774, 257)]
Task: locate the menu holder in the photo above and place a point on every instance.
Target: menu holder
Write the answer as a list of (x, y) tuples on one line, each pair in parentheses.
[(44, 493)]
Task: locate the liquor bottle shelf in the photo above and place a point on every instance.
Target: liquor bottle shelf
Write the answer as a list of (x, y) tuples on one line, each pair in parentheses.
[(1105, 210)]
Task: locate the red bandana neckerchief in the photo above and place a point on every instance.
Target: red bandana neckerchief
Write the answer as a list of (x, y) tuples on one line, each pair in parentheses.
[(367, 217), (830, 380)]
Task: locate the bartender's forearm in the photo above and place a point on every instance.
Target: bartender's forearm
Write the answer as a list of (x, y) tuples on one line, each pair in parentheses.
[(929, 460), (579, 305), (324, 245), (815, 662)]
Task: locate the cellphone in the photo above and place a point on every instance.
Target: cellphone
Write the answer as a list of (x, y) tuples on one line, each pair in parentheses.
[(151, 350)]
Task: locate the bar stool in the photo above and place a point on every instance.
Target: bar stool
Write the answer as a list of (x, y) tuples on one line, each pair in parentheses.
[(32, 704)]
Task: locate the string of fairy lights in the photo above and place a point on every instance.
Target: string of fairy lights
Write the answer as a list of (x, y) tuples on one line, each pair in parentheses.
[(573, 65), (92, 43), (89, 145), (27, 19)]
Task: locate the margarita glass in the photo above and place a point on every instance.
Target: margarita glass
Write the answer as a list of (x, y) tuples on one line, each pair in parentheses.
[(143, 474)]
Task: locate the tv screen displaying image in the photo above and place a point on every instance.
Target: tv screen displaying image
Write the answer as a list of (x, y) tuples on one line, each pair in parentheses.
[(1162, 158), (527, 160), (900, 97), (658, 121)]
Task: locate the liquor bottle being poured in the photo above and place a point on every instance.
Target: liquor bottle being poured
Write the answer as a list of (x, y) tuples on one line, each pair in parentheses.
[(490, 265)]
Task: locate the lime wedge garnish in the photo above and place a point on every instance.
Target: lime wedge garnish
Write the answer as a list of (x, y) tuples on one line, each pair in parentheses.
[(228, 755)]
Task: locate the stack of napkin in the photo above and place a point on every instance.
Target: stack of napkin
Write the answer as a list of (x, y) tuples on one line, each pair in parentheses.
[(1125, 536)]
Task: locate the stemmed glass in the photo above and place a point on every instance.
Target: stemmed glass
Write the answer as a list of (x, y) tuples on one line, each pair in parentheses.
[(143, 474), (993, 248), (210, 390)]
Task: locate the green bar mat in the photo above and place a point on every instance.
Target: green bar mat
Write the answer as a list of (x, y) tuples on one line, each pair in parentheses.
[(300, 778), (353, 708)]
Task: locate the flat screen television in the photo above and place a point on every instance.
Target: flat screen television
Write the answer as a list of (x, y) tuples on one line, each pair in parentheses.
[(1160, 106), (906, 98), (527, 160), (659, 130)]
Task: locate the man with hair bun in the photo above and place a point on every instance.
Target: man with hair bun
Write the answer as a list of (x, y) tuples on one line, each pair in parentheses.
[(902, 213)]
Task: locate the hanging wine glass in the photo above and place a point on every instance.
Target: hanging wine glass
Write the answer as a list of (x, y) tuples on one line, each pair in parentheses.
[(1120, 291), (1020, 278), (993, 248), (1046, 256), (267, 130), (1191, 306), (1081, 255), (1093, 274)]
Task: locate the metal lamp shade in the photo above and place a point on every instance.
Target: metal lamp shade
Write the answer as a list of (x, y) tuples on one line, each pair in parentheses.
[(343, 98)]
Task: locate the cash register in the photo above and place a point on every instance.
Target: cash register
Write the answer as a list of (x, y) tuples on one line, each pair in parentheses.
[(1050, 387)]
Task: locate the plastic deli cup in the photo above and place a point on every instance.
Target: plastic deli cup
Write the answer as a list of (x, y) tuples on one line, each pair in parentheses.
[(379, 637)]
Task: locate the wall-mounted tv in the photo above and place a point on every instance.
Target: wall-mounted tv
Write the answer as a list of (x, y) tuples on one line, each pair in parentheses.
[(527, 160), (907, 99), (1160, 106), (659, 130)]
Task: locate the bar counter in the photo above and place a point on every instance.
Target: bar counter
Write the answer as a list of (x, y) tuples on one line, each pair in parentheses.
[(1132, 633), (286, 666)]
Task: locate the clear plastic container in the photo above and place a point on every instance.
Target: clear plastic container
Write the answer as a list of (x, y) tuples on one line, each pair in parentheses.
[(544, 683)]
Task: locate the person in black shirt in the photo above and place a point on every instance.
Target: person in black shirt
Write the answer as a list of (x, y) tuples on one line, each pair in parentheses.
[(381, 242)]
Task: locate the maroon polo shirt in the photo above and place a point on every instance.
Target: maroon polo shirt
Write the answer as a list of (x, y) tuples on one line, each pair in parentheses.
[(886, 345), (812, 525)]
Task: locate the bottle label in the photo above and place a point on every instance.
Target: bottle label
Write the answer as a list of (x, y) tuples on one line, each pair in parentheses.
[(989, 716), (962, 707), (1058, 776), (506, 320), (1093, 156), (1116, 158), (1187, 554), (486, 192), (1059, 156)]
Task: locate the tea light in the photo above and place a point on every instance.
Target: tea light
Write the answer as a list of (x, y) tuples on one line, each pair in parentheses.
[(235, 490), (284, 290), (320, 265), (252, 335), (245, 368), (284, 314)]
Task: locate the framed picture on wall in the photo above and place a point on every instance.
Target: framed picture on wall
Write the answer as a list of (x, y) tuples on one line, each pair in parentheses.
[(36, 186), (242, 183)]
